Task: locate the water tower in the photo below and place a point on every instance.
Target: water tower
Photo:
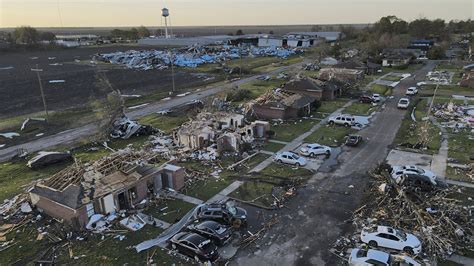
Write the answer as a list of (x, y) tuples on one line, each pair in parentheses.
[(166, 13)]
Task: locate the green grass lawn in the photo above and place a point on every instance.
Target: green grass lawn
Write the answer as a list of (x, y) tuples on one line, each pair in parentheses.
[(360, 109), (207, 188), (331, 106), (15, 176), (392, 78), (164, 122), (410, 132), (175, 210), (288, 131), (457, 174), (254, 192), (280, 174), (460, 146), (252, 162), (380, 89), (330, 135), (448, 90), (409, 69), (272, 146)]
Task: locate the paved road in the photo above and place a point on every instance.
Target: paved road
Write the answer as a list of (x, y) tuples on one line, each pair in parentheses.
[(71, 136), (316, 218)]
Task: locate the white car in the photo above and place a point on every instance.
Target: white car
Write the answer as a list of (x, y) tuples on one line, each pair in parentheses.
[(376, 97), (375, 257), (314, 149), (412, 91), (344, 120), (388, 237), (398, 171), (290, 158), (403, 103)]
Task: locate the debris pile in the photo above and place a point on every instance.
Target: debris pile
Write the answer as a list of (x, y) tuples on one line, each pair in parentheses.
[(189, 57), (442, 223), (455, 116), (125, 128), (441, 77)]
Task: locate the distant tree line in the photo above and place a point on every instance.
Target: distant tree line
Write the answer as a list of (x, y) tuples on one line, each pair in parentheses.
[(132, 34), (28, 36), (393, 32)]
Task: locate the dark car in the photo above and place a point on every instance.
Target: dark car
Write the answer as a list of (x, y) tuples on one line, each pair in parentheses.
[(219, 233), (422, 182), (195, 246), (226, 213), (366, 99), (353, 140)]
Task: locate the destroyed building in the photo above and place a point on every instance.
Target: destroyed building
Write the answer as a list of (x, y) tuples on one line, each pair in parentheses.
[(321, 90), (341, 74), (368, 68), (468, 77), (227, 130), (282, 104), (115, 183)]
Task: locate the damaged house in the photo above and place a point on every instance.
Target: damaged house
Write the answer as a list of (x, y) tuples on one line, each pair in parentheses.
[(282, 104), (368, 68), (321, 90), (468, 77), (341, 74), (115, 183), (227, 130)]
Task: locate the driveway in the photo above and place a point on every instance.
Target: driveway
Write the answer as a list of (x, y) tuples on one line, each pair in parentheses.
[(321, 212)]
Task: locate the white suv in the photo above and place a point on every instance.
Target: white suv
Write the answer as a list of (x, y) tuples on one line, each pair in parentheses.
[(403, 103), (344, 120), (412, 91)]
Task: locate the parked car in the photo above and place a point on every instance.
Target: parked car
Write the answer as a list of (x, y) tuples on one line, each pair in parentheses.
[(213, 230), (314, 149), (290, 158), (226, 213), (403, 103), (412, 91), (388, 237), (342, 119), (366, 99), (194, 246), (353, 140), (364, 257), (376, 97)]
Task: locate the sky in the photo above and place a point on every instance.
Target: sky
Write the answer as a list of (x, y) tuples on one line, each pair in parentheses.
[(115, 13)]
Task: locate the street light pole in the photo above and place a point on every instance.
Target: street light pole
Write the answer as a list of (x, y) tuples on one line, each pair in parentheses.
[(37, 70)]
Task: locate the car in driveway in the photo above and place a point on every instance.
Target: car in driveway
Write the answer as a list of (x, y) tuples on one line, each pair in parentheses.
[(217, 232), (411, 91), (314, 149), (403, 103), (388, 237), (365, 257), (342, 119), (376, 97), (290, 158), (195, 246), (227, 213), (366, 99), (353, 140)]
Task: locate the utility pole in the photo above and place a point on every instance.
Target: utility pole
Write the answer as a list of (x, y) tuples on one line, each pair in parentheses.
[(240, 55), (172, 71), (37, 70)]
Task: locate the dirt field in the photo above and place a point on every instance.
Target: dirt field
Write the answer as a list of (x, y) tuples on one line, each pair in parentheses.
[(20, 89)]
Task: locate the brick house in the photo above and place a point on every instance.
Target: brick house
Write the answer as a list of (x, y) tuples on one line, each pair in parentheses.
[(78, 192), (282, 104)]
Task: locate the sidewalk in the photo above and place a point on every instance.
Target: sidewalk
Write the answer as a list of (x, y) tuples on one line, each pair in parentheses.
[(299, 140)]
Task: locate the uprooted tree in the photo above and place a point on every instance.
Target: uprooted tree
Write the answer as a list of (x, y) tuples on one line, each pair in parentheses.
[(108, 109)]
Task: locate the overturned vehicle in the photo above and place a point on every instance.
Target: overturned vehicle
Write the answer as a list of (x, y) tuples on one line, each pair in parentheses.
[(124, 128)]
